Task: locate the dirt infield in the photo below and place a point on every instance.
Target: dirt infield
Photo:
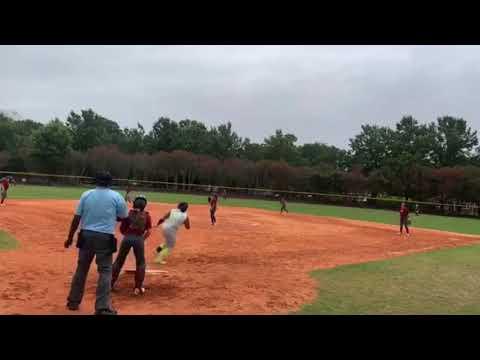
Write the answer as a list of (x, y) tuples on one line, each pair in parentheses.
[(251, 262)]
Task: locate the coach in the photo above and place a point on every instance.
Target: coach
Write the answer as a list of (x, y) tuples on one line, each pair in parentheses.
[(97, 212)]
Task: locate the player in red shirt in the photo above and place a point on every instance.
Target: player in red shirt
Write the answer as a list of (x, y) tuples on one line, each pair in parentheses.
[(404, 212), (136, 228), (213, 201), (4, 185)]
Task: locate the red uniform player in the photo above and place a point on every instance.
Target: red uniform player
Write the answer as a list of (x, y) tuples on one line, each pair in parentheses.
[(404, 212), (4, 185), (213, 201)]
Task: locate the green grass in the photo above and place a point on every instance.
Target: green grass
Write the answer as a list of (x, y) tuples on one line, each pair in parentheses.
[(7, 242), (439, 282), (460, 225)]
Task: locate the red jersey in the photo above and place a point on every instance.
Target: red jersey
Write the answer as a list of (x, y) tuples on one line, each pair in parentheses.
[(126, 229), (404, 212), (5, 184), (213, 203)]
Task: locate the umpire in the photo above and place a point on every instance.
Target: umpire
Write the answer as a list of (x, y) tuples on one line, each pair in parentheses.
[(97, 212)]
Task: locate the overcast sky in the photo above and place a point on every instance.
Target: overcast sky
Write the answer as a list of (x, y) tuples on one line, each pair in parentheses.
[(318, 93)]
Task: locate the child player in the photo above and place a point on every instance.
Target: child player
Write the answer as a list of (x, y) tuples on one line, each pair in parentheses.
[(171, 222), (128, 196), (4, 185), (136, 229), (404, 218), (283, 202), (213, 201)]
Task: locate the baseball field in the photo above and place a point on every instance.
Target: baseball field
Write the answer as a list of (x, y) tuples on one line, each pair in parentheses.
[(315, 260)]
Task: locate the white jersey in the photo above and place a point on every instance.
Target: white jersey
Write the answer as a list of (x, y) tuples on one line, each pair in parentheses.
[(175, 220)]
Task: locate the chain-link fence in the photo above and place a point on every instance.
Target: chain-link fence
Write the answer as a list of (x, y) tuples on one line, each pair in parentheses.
[(450, 208)]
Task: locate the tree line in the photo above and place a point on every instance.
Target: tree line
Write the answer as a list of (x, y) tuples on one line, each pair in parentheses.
[(438, 161)]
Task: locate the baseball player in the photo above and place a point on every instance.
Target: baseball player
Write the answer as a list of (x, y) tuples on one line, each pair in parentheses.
[(171, 223), (404, 213), (128, 196), (213, 201), (136, 229), (283, 202), (4, 185)]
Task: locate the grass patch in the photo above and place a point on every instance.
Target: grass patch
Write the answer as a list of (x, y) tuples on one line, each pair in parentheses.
[(439, 282), (7, 242)]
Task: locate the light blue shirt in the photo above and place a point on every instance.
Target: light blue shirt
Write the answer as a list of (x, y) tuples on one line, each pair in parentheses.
[(99, 209)]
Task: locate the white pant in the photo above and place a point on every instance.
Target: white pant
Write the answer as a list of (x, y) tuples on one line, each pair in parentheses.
[(170, 236)]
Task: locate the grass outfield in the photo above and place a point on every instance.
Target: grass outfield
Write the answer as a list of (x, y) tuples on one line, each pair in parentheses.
[(438, 282), (460, 225), (7, 242)]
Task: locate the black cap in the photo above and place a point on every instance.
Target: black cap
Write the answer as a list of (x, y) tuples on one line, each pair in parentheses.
[(103, 178), (140, 202)]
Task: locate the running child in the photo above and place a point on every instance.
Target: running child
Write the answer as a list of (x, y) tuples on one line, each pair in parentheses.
[(171, 222), (213, 201), (4, 185), (404, 212), (283, 202), (136, 228)]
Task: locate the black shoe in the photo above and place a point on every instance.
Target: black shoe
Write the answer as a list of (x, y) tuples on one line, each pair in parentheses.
[(159, 249), (72, 306), (106, 312)]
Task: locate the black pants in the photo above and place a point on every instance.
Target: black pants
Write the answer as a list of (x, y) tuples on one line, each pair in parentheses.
[(101, 246), (138, 245), (404, 222), (284, 208), (212, 216)]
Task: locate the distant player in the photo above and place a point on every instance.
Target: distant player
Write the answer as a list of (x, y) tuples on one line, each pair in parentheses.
[(4, 185), (171, 222), (128, 195), (283, 202), (136, 229), (417, 209), (213, 201), (404, 213), (224, 194)]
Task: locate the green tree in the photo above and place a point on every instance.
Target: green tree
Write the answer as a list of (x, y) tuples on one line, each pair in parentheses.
[(165, 135), (224, 142), (372, 147), (133, 140), (281, 147), (252, 151), (7, 133), (193, 136), (412, 148), (317, 153), (454, 141), (51, 144), (90, 129)]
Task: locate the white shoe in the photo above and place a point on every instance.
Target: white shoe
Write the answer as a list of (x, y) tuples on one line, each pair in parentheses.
[(139, 291)]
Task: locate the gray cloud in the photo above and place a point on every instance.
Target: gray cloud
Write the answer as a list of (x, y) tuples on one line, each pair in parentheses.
[(319, 93)]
